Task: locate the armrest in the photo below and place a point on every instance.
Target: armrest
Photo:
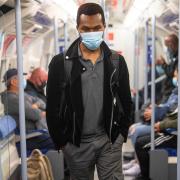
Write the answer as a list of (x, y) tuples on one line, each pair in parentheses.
[(28, 136)]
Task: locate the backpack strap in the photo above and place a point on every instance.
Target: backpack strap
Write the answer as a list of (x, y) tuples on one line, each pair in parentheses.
[(68, 64)]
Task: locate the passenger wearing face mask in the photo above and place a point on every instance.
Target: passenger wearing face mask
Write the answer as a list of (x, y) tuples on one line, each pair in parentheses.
[(36, 84), (34, 116), (10, 99), (169, 64), (84, 111), (163, 139)]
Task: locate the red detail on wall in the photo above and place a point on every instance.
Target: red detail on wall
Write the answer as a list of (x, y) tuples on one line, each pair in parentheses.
[(114, 3), (26, 41), (110, 36), (7, 42), (123, 4)]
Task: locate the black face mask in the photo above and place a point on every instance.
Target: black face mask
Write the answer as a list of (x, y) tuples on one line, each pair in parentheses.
[(42, 86)]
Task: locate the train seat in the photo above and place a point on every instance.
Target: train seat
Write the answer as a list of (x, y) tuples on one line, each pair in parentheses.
[(9, 159)]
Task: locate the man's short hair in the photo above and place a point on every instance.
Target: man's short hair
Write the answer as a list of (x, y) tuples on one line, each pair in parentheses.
[(174, 39), (90, 9)]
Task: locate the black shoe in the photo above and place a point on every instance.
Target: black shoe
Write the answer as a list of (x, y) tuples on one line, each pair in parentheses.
[(142, 178), (128, 156)]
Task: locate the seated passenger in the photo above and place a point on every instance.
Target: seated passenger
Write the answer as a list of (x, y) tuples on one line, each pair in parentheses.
[(143, 128), (161, 110), (36, 83), (34, 116), (162, 140), (169, 64)]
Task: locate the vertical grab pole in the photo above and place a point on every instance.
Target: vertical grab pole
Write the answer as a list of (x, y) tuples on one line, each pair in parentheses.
[(134, 61), (136, 77), (134, 70), (178, 143), (102, 2), (146, 64), (153, 80), (21, 89), (65, 36), (56, 49), (103, 5)]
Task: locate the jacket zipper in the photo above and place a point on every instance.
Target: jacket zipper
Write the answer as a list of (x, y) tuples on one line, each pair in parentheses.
[(74, 127), (112, 104)]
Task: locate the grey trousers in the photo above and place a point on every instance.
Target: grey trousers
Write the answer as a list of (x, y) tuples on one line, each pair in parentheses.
[(106, 156)]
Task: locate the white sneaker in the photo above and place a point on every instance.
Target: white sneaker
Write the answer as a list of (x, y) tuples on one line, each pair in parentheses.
[(129, 164), (133, 171)]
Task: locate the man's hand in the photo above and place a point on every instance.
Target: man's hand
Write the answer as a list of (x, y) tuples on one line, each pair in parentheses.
[(157, 127), (43, 114), (147, 114), (35, 106)]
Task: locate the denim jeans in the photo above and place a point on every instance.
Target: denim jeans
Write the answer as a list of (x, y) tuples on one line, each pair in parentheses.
[(140, 130)]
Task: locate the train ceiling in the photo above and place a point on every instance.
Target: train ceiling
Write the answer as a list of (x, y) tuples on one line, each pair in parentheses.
[(37, 15)]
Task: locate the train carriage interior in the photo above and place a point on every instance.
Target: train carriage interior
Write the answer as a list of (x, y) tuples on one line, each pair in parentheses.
[(144, 32)]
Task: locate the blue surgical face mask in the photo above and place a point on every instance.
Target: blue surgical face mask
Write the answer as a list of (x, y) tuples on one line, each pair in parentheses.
[(175, 81), (92, 40), (159, 70), (24, 83)]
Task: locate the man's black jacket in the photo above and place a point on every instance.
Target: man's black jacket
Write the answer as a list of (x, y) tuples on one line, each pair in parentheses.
[(64, 98), (33, 91)]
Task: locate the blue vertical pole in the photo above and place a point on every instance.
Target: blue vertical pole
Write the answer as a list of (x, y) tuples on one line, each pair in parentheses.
[(65, 36), (136, 77), (153, 80), (146, 64), (21, 89), (134, 60), (103, 5), (56, 49), (178, 143)]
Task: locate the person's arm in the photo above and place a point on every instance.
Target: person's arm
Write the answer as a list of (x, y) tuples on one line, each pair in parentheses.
[(54, 93), (172, 101), (166, 123), (40, 103), (171, 104), (31, 113), (160, 112)]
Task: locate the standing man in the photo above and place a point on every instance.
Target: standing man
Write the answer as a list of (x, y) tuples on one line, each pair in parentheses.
[(88, 113)]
